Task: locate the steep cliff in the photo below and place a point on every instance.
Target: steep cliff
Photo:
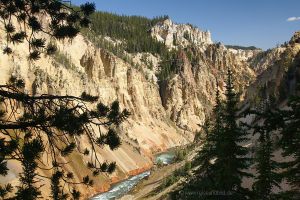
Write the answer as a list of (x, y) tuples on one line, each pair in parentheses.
[(172, 34), (188, 94), (278, 73), (165, 113), (78, 67)]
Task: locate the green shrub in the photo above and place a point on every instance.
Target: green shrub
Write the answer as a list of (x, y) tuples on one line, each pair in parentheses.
[(159, 163), (134, 30), (180, 154), (187, 166), (63, 60)]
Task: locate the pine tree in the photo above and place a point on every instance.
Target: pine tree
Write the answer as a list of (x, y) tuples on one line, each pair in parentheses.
[(64, 23), (267, 175), (290, 142), (202, 185), (223, 160), (57, 191), (284, 122), (232, 160), (33, 127), (205, 174), (208, 153), (31, 152)]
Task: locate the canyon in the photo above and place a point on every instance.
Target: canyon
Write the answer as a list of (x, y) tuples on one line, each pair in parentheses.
[(164, 113)]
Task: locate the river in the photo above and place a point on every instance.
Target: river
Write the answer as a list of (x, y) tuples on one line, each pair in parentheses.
[(122, 188)]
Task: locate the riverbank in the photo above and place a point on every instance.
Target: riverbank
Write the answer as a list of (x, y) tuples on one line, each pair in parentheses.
[(145, 189), (121, 188), (146, 186)]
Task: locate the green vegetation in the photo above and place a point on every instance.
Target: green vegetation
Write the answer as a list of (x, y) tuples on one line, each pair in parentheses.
[(33, 127), (223, 162), (187, 166), (174, 177), (169, 65), (267, 177), (131, 34), (63, 60), (242, 47), (223, 159), (186, 35), (283, 123), (134, 31), (180, 154), (159, 163), (192, 55), (64, 23), (197, 137), (117, 49), (170, 180), (287, 123)]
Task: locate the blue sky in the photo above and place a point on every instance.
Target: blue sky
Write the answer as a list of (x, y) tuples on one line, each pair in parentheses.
[(263, 23)]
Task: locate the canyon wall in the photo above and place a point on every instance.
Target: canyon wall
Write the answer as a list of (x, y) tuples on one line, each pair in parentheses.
[(164, 114)]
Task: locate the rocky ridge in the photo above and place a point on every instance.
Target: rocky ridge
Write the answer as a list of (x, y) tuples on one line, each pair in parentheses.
[(98, 72), (188, 94), (277, 73), (164, 114), (172, 34)]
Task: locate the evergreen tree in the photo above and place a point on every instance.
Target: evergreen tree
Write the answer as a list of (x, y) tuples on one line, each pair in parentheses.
[(290, 142), (205, 175), (57, 191), (133, 31), (208, 153), (223, 160), (64, 22), (228, 158), (31, 152), (267, 176), (232, 160), (284, 122), (33, 127), (203, 185)]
